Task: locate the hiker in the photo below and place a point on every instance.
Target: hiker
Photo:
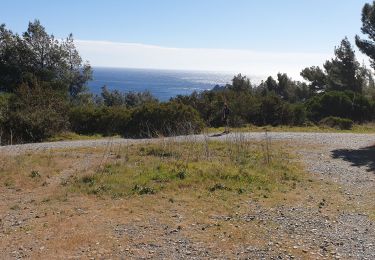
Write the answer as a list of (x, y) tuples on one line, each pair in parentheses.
[(226, 112)]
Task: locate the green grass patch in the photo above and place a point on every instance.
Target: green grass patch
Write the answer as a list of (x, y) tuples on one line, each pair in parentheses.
[(70, 136), (200, 167), (367, 128)]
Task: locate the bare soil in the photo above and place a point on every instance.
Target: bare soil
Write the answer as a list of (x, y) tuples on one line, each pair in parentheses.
[(331, 217)]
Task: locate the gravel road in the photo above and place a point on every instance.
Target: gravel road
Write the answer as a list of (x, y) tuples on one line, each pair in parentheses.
[(332, 140), (348, 160)]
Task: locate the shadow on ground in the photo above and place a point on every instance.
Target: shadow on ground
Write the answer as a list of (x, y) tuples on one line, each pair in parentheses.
[(361, 157), (220, 134)]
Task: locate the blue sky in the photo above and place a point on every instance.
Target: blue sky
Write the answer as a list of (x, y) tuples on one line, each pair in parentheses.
[(222, 27)]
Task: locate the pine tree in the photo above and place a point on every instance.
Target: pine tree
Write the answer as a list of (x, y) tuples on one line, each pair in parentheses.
[(342, 71), (367, 46)]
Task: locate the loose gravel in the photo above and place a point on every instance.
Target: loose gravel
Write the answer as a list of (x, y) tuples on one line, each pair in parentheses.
[(345, 159)]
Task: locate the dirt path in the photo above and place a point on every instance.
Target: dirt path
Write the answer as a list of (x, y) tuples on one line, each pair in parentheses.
[(44, 224)]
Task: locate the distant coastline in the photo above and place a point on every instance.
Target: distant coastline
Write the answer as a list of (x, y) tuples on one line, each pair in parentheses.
[(163, 84)]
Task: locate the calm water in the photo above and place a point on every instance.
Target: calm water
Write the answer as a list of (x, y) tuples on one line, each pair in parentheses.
[(163, 84)]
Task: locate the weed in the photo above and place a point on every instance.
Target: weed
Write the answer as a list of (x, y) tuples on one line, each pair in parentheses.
[(35, 174), (181, 175), (322, 203), (143, 190), (240, 191), (98, 190), (88, 179), (219, 186)]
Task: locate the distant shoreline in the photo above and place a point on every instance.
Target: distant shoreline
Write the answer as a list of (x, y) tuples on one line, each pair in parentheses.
[(163, 84)]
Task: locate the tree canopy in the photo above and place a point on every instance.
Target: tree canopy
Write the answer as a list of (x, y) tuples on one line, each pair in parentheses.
[(343, 72), (37, 54), (367, 46)]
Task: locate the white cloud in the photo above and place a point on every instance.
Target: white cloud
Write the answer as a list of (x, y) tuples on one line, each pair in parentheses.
[(258, 64)]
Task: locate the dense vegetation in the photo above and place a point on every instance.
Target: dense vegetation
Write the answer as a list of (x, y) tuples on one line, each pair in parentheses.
[(43, 92)]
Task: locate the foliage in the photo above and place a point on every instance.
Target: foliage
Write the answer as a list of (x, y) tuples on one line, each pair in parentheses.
[(149, 120), (99, 120), (337, 122), (299, 114), (340, 104), (317, 78), (367, 46), (341, 73), (207, 103), (272, 110), (4, 115), (343, 70), (285, 88), (37, 111), (43, 75), (290, 90), (129, 99), (164, 119), (259, 106), (38, 54), (240, 83)]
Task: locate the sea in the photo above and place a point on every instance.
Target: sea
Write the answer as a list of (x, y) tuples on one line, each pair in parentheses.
[(163, 84)]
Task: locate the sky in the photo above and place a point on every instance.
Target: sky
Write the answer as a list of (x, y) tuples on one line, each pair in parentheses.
[(254, 37)]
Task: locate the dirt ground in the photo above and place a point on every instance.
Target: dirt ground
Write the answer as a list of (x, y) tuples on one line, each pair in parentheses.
[(332, 216)]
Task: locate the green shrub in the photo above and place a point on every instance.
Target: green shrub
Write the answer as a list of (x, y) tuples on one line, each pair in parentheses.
[(99, 120), (299, 115), (37, 112), (140, 190), (166, 119), (243, 104), (362, 109), (337, 122), (339, 104), (274, 111), (149, 120), (35, 174), (4, 115)]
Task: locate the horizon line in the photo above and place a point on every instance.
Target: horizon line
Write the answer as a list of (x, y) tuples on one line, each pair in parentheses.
[(108, 54)]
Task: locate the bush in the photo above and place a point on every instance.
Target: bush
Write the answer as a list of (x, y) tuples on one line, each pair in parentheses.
[(339, 104), (37, 112), (4, 114), (337, 122), (243, 104), (362, 109), (149, 120), (99, 120), (299, 115), (274, 111), (166, 119)]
